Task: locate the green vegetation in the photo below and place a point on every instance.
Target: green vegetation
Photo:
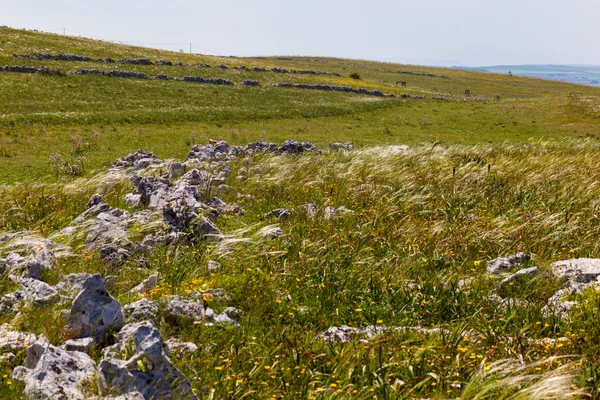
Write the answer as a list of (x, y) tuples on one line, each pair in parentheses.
[(512, 168)]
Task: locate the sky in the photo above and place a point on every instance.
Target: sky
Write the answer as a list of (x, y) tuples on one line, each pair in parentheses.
[(428, 32)]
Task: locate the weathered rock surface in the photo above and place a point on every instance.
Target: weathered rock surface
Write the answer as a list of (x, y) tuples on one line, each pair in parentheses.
[(38, 292), (14, 340), (161, 380), (141, 310), (95, 311), (70, 285), (53, 373), (82, 345), (580, 269), (503, 264)]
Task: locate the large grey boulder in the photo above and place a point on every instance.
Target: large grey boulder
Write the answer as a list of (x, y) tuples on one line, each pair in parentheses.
[(53, 373), (95, 311), (503, 264), (578, 269), (161, 380)]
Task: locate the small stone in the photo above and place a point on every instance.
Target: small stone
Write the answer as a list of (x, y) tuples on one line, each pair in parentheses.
[(519, 275), (270, 232), (176, 346), (279, 213), (213, 266), (233, 313), (147, 285)]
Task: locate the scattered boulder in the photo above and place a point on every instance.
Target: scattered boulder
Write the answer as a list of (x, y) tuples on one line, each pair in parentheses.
[(233, 313), (161, 380), (503, 264), (54, 373), (94, 311), (176, 169)]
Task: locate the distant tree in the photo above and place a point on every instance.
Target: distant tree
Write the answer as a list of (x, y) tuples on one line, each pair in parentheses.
[(355, 75)]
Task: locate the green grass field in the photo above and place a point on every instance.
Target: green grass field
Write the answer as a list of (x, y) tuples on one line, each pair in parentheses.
[(512, 167)]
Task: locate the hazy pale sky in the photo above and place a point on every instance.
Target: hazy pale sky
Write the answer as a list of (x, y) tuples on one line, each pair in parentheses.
[(435, 32)]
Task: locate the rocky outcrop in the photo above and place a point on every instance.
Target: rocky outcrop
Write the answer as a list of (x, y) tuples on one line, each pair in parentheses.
[(159, 380), (94, 311), (54, 373)]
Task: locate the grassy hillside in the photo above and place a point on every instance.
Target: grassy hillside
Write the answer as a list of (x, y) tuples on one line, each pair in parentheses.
[(113, 116), (513, 167)]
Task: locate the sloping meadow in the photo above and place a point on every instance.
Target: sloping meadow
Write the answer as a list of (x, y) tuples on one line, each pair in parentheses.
[(390, 236)]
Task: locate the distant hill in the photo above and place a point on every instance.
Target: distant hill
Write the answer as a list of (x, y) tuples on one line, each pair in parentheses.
[(582, 74)]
